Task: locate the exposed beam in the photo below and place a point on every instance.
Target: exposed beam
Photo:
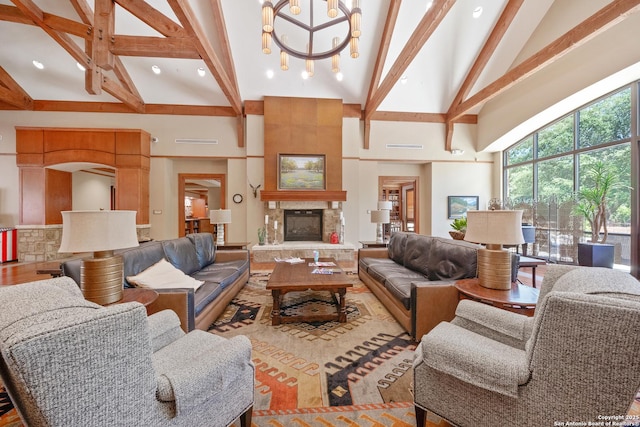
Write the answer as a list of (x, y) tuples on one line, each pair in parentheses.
[(423, 31), (504, 21), (68, 26), (154, 47), (12, 93), (153, 18), (396, 116), (104, 23), (83, 10), (381, 58), (591, 27), (13, 14), (118, 92), (33, 12), (221, 31), (185, 15)]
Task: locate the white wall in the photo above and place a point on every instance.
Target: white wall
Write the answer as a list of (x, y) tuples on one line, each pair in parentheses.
[(91, 191)]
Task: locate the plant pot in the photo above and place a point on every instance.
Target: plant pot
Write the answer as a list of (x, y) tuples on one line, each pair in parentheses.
[(456, 235), (595, 255)]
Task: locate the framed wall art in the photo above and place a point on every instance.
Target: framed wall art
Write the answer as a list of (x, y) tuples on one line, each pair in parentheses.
[(301, 172), (458, 206)]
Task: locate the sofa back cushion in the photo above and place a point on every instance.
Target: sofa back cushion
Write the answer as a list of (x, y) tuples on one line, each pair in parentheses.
[(417, 252), (138, 259), (181, 253), (205, 249), (396, 247), (452, 259)]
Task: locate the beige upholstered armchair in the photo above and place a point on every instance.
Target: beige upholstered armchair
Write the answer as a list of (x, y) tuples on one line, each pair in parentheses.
[(576, 360), (68, 362)]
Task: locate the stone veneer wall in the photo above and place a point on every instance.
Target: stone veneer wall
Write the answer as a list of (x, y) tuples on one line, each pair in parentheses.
[(330, 218), (40, 243)]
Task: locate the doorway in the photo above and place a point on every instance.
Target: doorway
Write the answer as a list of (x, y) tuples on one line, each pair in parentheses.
[(403, 192), (197, 194)]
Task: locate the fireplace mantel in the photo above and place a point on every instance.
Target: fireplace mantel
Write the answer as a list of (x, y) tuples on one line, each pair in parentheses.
[(303, 196)]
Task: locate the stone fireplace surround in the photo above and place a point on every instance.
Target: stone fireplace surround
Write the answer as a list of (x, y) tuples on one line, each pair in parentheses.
[(330, 223)]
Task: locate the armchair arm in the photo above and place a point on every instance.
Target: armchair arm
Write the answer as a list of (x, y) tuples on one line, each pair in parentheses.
[(501, 325), (199, 366), (474, 359), (164, 328)]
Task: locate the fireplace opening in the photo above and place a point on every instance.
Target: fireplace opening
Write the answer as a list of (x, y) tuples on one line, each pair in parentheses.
[(303, 225)]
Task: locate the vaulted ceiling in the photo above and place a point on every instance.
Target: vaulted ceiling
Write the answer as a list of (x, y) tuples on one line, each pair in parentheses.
[(420, 63)]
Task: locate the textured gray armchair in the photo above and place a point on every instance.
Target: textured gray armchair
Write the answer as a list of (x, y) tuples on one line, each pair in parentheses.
[(576, 360), (68, 362)]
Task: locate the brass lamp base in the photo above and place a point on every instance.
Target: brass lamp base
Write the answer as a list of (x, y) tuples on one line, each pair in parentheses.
[(494, 268), (101, 278)]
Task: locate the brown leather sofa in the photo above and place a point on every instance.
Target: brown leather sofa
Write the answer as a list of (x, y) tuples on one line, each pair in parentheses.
[(414, 278), (224, 273)]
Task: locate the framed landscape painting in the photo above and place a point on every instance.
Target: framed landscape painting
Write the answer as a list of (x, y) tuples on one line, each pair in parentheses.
[(458, 206), (301, 172)]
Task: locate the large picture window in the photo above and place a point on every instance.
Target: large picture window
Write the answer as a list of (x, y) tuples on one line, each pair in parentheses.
[(543, 172)]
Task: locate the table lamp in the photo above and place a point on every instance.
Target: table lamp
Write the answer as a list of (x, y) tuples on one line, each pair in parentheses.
[(380, 217), (100, 232), (494, 229), (218, 217)]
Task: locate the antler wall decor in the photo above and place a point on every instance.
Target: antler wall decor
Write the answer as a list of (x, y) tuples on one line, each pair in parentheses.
[(255, 189)]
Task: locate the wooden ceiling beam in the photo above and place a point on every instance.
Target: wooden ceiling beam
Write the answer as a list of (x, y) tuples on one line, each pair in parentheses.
[(591, 27), (185, 15), (381, 58), (103, 33), (153, 18), (422, 33), (154, 47), (12, 93), (221, 30), (120, 93), (33, 12), (497, 33)]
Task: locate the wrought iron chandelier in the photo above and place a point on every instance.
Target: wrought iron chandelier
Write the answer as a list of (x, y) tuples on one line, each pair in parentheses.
[(340, 17)]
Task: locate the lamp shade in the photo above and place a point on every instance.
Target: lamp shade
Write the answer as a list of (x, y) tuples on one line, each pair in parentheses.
[(384, 205), (95, 231), (220, 216), (494, 227), (380, 217)]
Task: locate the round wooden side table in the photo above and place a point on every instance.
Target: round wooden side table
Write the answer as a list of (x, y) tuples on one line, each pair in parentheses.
[(519, 299), (142, 295)]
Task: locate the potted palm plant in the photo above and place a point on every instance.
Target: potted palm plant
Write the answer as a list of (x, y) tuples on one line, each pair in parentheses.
[(592, 206)]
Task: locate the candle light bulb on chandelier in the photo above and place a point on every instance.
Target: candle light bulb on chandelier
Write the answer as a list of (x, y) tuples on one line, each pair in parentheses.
[(267, 16), (353, 45), (294, 7), (335, 59), (332, 8), (266, 42), (356, 19)]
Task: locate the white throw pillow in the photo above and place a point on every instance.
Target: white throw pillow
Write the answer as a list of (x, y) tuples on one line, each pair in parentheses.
[(163, 275)]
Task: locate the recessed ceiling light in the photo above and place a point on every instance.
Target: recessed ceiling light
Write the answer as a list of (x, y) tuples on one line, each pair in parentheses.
[(269, 74), (339, 76), (457, 151), (80, 67), (38, 64), (305, 75), (156, 69), (477, 12), (201, 72), (429, 4), (403, 80)]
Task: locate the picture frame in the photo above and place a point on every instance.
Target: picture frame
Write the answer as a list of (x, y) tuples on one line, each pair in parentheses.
[(457, 206), (301, 172)]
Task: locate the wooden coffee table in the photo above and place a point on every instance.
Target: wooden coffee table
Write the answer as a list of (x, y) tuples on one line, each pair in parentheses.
[(519, 299), (299, 277)]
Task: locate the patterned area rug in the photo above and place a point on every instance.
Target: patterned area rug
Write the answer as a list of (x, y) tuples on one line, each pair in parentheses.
[(356, 373)]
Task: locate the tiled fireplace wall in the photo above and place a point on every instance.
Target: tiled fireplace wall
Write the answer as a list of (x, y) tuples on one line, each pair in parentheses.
[(330, 217)]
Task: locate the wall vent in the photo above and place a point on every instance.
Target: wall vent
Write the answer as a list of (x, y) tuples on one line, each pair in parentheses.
[(409, 146), (195, 141)]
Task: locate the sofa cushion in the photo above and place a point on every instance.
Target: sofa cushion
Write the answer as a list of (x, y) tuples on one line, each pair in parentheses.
[(181, 253), (208, 292), (366, 262), (163, 275), (417, 252), (137, 260), (396, 247), (382, 272), (452, 259), (400, 288), (223, 276), (205, 248)]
